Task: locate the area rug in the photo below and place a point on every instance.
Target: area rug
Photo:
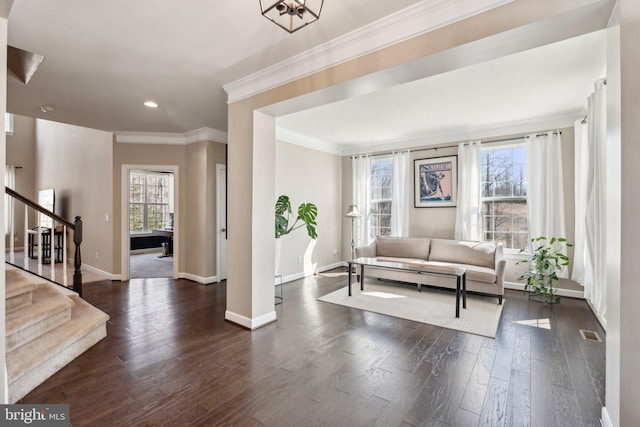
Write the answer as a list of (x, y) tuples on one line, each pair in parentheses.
[(431, 306)]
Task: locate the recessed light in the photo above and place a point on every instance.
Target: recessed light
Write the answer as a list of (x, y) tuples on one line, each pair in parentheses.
[(150, 104), (47, 108)]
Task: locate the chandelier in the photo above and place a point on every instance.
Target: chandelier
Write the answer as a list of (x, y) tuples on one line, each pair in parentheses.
[(291, 15)]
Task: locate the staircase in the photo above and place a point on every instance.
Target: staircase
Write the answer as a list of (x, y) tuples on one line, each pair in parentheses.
[(46, 328)]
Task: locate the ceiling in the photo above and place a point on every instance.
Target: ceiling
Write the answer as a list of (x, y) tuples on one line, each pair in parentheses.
[(545, 86), (104, 59)]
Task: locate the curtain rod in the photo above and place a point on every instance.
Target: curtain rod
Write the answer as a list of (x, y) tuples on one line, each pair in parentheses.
[(456, 146)]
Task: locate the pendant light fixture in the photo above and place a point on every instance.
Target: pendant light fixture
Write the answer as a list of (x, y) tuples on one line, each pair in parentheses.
[(291, 15)]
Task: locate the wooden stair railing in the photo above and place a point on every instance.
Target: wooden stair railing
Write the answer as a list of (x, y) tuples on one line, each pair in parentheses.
[(76, 226)]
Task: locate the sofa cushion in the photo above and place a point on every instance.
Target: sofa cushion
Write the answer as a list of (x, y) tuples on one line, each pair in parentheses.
[(403, 247), (474, 272), (461, 252)]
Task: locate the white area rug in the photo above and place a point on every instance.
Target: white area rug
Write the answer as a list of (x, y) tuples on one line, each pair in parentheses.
[(431, 306)]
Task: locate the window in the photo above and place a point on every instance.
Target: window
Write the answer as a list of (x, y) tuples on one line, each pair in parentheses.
[(504, 196), (149, 200), (381, 197), (8, 123)]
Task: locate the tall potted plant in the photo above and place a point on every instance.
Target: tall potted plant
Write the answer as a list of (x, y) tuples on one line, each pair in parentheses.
[(306, 216), (543, 265)]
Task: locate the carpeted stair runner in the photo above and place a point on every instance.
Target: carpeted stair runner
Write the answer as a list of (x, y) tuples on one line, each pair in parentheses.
[(45, 330)]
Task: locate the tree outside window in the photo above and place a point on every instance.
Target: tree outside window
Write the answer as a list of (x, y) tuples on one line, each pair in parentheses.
[(381, 198), (504, 196), (149, 194)]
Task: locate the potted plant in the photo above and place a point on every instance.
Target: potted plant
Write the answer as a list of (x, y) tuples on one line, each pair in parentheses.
[(543, 265), (307, 213)]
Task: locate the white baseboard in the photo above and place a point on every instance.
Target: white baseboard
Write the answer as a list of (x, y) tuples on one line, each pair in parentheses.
[(601, 320), (605, 420), (561, 292), (145, 251), (97, 271), (248, 323), (198, 279), (302, 274)]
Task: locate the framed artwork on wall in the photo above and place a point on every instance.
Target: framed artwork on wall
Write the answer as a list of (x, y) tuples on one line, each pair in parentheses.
[(435, 182)]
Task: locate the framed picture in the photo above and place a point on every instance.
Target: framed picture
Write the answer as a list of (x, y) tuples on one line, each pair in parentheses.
[(435, 182)]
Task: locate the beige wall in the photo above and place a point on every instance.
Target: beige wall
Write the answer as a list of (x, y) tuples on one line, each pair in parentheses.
[(196, 187), (440, 222), (309, 176), (21, 148), (200, 233), (4, 10), (492, 37), (76, 162), (623, 216)]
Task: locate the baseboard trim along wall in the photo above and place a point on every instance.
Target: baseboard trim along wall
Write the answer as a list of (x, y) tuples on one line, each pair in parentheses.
[(302, 274), (198, 279), (248, 323), (561, 292), (107, 276), (605, 420)]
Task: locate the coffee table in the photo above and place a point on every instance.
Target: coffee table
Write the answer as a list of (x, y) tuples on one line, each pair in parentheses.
[(459, 273)]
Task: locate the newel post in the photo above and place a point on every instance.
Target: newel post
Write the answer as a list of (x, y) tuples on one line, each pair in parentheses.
[(77, 259)]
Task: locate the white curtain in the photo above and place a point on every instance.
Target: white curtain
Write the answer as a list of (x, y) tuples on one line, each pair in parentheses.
[(9, 181), (545, 200), (362, 197), (589, 266), (400, 195), (469, 210)]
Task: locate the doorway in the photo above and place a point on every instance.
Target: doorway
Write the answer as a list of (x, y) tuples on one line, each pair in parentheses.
[(149, 222)]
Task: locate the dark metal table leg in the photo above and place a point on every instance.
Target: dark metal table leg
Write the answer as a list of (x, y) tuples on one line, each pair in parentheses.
[(458, 280), (362, 277), (464, 290), (349, 273)]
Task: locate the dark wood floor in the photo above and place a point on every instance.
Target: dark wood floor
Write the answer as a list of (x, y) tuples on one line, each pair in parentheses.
[(171, 359)]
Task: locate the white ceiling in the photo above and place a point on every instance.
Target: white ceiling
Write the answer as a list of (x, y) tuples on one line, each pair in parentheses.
[(104, 59), (543, 85)]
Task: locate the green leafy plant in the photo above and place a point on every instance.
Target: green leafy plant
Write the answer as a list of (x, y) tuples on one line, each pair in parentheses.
[(543, 265), (307, 213)]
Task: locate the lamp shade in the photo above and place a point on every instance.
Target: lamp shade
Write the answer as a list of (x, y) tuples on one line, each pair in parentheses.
[(353, 212), (291, 15)]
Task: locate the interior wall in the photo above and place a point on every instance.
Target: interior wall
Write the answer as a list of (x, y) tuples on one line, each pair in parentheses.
[(516, 26), (623, 292), (21, 149), (76, 162), (196, 186), (310, 176), (4, 11), (440, 222), (201, 159), (146, 154)]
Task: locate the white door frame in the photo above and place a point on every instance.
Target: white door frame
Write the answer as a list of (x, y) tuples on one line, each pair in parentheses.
[(125, 246), (220, 168)]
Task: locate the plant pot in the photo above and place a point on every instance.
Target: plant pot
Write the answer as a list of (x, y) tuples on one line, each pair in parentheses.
[(278, 250)]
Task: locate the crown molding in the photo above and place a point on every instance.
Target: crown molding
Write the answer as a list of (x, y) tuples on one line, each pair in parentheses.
[(307, 141), (537, 124), (407, 23), (167, 138)]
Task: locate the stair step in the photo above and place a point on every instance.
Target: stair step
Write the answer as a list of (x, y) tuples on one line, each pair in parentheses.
[(31, 364), (18, 290), (49, 310)]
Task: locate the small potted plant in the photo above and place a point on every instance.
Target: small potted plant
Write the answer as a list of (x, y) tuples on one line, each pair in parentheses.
[(541, 275)]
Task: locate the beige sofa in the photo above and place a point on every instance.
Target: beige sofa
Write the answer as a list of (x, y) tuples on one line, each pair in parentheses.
[(484, 262)]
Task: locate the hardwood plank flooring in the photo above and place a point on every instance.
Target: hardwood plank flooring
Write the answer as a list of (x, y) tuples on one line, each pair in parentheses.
[(170, 359)]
